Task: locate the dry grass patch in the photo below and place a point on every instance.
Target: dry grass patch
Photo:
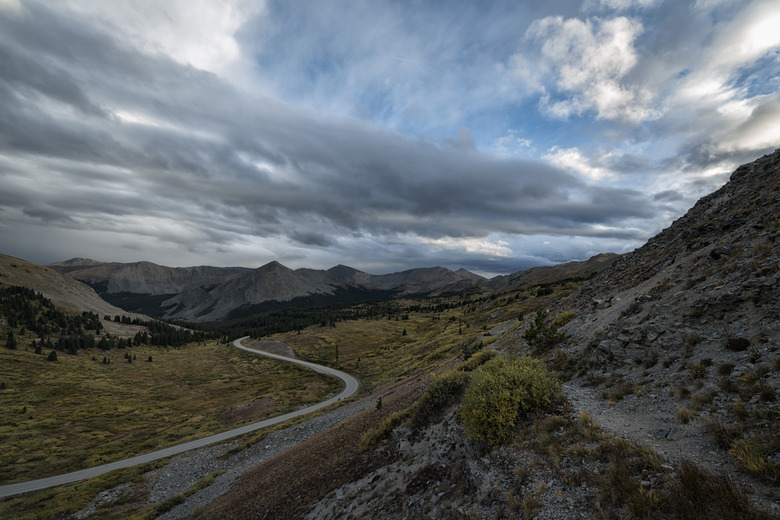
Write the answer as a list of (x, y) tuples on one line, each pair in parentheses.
[(80, 412), (378, 350), (699, 495), (685, 415)]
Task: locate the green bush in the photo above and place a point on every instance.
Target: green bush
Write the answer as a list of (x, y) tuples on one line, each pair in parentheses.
[(541, 335), (471, 347), (503, 391), (737, 344), (564, 318), (442, 392), (477, 360), (373, 436)]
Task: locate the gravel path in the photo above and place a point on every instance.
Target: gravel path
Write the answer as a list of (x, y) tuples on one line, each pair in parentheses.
[(185, 470), (351, 386), (651, 421)]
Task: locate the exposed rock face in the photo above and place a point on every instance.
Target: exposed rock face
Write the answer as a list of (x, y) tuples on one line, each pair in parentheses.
[(712, 275)]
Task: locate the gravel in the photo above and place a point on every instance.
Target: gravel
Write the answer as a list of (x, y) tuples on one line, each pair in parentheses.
[(185, 470)]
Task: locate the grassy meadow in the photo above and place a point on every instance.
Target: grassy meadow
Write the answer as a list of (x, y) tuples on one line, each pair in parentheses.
[(77, 412), (415, 338)]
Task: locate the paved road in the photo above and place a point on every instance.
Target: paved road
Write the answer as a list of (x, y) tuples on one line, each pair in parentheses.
[(351, 386)]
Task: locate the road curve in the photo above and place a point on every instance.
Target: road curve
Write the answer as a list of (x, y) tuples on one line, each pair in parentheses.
[(350, 387)]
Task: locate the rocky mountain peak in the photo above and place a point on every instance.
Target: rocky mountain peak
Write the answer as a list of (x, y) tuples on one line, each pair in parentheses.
[(273, 267)]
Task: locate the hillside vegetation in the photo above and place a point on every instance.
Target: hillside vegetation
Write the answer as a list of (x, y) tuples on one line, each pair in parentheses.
[(75, 396)]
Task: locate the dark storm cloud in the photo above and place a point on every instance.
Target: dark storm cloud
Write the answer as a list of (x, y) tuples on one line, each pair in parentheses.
[(230, 164), (311, 239), (668, 196)]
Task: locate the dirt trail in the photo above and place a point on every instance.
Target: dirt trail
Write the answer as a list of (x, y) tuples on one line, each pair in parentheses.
[(650, 421)]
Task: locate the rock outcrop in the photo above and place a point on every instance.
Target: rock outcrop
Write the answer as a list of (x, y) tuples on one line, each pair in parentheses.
[(709, 279)]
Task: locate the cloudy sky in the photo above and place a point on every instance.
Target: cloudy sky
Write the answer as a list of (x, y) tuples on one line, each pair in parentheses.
[(379, 134)]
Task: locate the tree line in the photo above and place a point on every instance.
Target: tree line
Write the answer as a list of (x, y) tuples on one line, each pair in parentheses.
[(26, 310)]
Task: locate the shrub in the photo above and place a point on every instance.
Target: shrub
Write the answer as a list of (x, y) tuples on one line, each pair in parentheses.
[(441, 393), (373, 436), (737, 344), (751, 456), (698, 370), (685, 415), (477, 360), (620, 486), (692, 339), (698, 495), (471, 347), (563, 318), (542, 335), (725, 369), (620, 391), (725, 434), (504, 390)]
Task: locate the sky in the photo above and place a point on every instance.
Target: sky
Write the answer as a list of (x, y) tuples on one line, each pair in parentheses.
[(384, 135)]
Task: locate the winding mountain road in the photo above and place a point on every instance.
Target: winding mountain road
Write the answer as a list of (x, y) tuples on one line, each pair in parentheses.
[(350, 387)]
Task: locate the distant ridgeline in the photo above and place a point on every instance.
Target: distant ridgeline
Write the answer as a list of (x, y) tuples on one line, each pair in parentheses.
[(26, 310)]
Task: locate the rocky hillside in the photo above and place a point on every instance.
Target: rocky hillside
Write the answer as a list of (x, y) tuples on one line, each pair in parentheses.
[(274, 282), (553, 273), (674, 347), (700, 297), (677, 344), (212, 293), (142, 277), (65, 292)]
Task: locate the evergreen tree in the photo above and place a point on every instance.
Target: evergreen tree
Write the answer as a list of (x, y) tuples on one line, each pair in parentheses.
[(10, 341), (52, 356), (542, 335)]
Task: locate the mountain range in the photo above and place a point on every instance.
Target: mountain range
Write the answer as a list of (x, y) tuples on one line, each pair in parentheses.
[(206, 293), (211, 293)]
